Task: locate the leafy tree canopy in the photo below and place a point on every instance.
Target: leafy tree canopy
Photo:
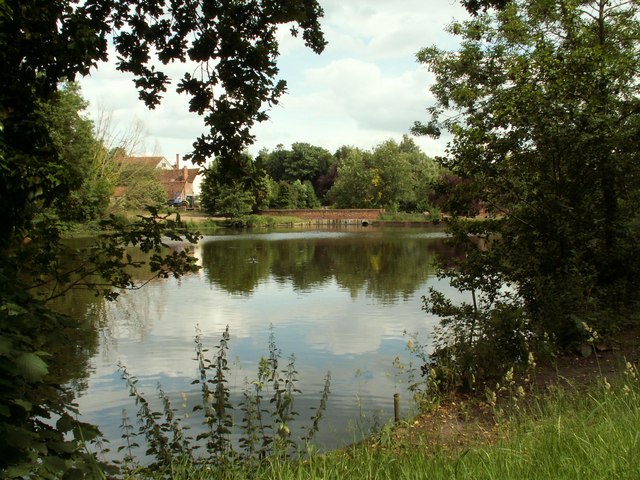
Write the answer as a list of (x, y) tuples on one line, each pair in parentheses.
[(303, 162), (395, 176), (475, 6), (231, 47), (222, 195), (542, 101), (142, 186), (353, 185), (71, 132), (292, 195), (229, 50)]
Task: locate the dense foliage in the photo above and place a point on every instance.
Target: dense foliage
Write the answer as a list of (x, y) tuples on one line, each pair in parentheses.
[(304, 162), (42, 43), (232, 45), (94, 168), (141, 184), (228, 196), (395, 176), (542, 101)]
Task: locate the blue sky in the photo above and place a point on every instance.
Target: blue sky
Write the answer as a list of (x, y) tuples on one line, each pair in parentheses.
[(364, 89)]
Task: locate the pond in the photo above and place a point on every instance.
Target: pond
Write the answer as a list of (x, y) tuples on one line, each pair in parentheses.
[(338, 300)]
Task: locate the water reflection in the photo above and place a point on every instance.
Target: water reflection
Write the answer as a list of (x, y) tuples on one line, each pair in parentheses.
[(338, 300), (72, 348), (386, 266)]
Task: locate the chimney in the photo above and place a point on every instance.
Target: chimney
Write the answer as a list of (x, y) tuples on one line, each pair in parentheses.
[(184, 173), (177, 161)]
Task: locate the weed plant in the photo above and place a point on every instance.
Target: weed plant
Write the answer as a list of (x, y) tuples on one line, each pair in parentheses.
[(223, 447), (567, 433)]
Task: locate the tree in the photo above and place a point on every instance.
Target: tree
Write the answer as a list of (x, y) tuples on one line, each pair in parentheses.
[(474, 6), (72, 135), (71, 132), (233, 46), (354, 180), (304, 162), (308, 163), (292, 195), (93, 168), (327, 179), (274, 162), (456, 196), (424, 172), (229, 196), (142, 186), (542, 101), (394, 176)]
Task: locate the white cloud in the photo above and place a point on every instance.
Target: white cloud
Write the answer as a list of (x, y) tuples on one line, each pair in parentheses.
[(375, 100), (366, 86), (349, 102)]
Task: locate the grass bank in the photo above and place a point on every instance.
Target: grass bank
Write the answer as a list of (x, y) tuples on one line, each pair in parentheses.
[(265, 221), (207, 225), (566, 433), (410, 217), (196, 220)]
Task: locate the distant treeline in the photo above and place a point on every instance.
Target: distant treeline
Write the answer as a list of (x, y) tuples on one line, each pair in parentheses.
[(395, 176)]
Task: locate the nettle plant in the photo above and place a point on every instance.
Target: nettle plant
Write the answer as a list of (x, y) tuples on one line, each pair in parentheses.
[(265, 430)]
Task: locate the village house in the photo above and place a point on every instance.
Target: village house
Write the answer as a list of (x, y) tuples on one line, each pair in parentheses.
[(178, 182)]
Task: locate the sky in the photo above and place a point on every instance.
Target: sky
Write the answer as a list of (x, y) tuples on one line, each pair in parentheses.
[(365, 88)]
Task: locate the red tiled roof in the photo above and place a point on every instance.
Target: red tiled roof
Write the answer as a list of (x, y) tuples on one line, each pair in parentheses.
[(178, 175), (175, 175), (147, 161), (174, 183), (173, 180)]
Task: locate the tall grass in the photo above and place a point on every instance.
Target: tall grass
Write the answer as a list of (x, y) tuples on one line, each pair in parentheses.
[(264, 221), (592, 433)]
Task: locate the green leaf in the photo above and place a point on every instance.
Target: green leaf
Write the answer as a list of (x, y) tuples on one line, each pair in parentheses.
[(65, 423), (13, 309), (27, 406), (85, 432), (18, 471), (54, 464), (31, 367), (5, 345)]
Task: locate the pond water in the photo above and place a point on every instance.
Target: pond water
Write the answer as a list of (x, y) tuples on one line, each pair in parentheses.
[(339, 300)]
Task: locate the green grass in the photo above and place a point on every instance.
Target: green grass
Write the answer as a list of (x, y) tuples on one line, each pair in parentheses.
[(264, 221), (409, 217), (207, 226), (592, 434), (588, 434)]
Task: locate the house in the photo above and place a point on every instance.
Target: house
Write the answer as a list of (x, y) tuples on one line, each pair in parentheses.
[(152, 161), (178, 182)]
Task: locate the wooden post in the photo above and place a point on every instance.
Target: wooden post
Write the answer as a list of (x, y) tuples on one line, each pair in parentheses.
[(396, 407)]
